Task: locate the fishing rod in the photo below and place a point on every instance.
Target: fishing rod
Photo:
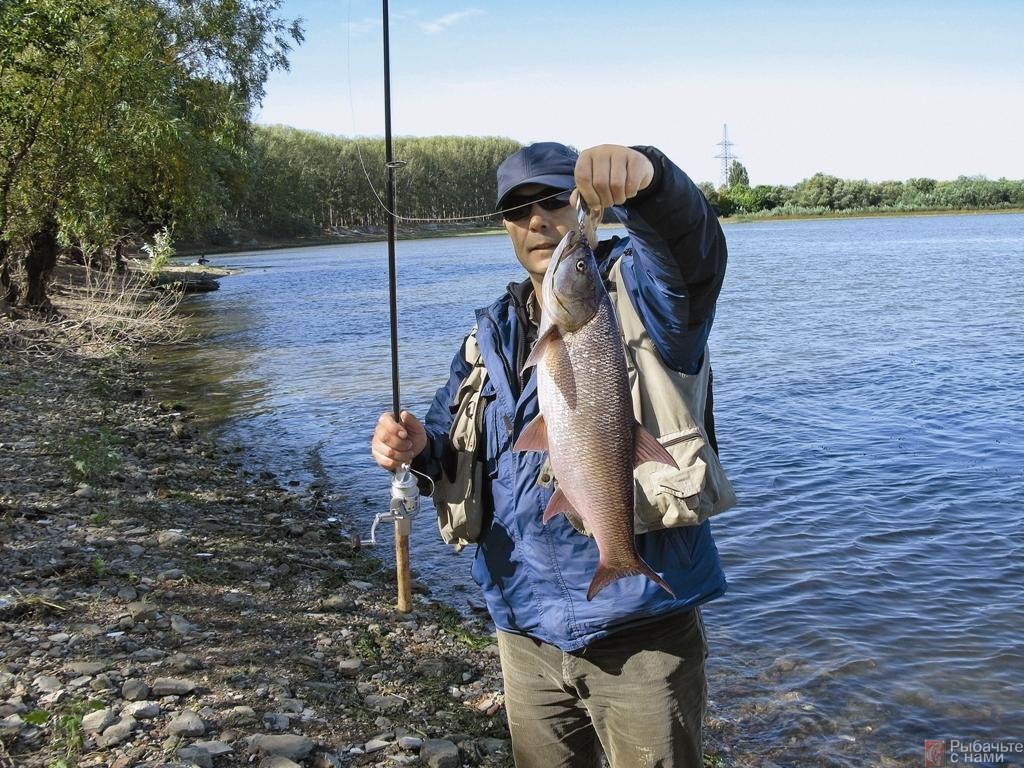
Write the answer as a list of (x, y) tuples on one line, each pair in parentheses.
[(405, 495)]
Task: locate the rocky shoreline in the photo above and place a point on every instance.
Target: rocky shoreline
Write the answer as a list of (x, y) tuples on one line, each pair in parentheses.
[(160, 606)]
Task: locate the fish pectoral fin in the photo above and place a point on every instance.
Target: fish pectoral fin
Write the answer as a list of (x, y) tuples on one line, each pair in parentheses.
[(559, 504), (534, 437), (647, 448), (551, 335)]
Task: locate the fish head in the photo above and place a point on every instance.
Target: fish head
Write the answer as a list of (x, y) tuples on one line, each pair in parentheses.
[(572, 283)]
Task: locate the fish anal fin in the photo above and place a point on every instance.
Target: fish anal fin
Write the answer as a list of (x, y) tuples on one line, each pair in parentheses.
[(551, 335), (534, 437), (559, 504), (647, 448), (606, 574)]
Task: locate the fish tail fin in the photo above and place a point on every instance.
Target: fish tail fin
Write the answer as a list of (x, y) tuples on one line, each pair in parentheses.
[(606, 574)]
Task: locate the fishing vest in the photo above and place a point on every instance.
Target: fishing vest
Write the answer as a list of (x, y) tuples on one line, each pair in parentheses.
[(668, 403)]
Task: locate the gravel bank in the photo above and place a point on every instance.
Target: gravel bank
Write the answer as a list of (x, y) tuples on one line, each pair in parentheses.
[(160, 607)]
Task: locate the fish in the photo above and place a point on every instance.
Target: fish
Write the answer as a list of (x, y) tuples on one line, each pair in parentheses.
[(586, 421)]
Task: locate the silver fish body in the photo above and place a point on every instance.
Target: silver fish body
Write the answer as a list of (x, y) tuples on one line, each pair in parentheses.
[(586, 420)]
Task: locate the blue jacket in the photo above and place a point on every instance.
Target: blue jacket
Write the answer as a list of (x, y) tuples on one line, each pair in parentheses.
[(535, 576)]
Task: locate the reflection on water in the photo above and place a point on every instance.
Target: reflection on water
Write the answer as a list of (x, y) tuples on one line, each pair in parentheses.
[(870, 407)]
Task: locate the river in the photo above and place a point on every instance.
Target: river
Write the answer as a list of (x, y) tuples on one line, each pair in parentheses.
[(869, 392)]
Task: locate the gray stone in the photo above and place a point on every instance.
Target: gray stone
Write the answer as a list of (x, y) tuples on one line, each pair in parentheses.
[(170, 686), (439, 753), (170, 538), (196, 756), (11, 725), (141, 610), (338, 603), (277, 761), (180, 625), (85, 667), (141, 710), (386, 703), (188, 723), (240, 715), (376, 745), (47, 683), (128, 594), (98, 721), (411, 743), (116, 733), (214, 748), (291, 746), (350, 667), (275, 721), (134, 690)]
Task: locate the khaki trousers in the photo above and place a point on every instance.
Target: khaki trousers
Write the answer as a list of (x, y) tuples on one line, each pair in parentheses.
[(637, 695)]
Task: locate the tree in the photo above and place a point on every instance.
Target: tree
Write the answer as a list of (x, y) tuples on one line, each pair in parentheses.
[(120, 117), (738, 176)]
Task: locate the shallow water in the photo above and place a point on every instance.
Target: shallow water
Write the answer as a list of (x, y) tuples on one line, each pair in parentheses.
[(870, 409)]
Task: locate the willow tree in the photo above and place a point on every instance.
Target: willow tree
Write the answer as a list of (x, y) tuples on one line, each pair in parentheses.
[(119, 117)]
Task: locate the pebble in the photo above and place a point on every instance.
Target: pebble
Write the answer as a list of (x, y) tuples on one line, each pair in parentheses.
[(134, 690), (117, 732), (440, 753), (291, 746), (194, 755), (187, 723), (170, 686), (98, 721), (141, 611), (141, 710)]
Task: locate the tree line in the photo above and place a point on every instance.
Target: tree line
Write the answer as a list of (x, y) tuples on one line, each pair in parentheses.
[(306, 183), (823, 194)]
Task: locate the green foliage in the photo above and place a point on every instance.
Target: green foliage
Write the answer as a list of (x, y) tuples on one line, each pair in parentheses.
[(118, 117), (159, 251), (91, 457), (302, 183), (738, 176), (827, 194), (452, 622)]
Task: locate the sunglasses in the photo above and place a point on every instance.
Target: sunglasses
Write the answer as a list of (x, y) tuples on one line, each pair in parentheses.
[(518, 208)]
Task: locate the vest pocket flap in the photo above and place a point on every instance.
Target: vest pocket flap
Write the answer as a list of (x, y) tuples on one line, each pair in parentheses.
[(681, 483), (667, 497)]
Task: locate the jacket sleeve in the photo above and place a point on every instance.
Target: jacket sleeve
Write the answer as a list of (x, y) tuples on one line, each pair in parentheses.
[(678, 263), (438, 452)]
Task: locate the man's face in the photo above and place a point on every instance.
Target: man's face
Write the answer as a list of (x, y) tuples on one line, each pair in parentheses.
[(536, 235)]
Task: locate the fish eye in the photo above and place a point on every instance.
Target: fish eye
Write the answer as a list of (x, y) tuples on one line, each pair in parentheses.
[(581, 265)]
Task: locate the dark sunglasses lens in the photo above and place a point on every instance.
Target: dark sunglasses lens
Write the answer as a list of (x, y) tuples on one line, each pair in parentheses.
[(519, 208)]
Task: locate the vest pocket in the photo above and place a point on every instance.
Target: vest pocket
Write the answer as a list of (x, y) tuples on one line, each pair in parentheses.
[(667, 497)]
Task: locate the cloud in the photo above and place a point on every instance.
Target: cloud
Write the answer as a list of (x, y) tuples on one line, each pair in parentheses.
[(440, 25)]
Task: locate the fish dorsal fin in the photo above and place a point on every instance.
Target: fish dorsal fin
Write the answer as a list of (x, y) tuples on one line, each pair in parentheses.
[(647, 448), (559, 504), (534, 437), (551, 335)]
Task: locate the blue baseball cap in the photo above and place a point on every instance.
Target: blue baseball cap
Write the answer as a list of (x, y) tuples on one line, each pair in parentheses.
[(547, 162)]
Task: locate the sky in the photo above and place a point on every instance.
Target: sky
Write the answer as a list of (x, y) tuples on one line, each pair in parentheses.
[(861, 90)]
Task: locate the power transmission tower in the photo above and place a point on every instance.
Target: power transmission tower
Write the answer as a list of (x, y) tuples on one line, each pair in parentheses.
[(726, 155)]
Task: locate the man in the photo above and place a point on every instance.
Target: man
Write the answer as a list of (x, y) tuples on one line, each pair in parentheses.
[(623, 673)]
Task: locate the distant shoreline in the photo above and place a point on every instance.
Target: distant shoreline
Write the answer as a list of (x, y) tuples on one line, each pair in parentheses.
[(273, 244)]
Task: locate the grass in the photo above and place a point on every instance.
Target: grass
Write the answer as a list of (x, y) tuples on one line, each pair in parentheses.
[(452, 623), (93, 456)]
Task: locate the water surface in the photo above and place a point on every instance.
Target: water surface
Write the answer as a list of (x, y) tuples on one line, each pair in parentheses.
[(870, 409)]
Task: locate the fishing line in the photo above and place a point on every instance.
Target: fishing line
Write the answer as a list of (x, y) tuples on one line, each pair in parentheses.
[(399, 163)]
